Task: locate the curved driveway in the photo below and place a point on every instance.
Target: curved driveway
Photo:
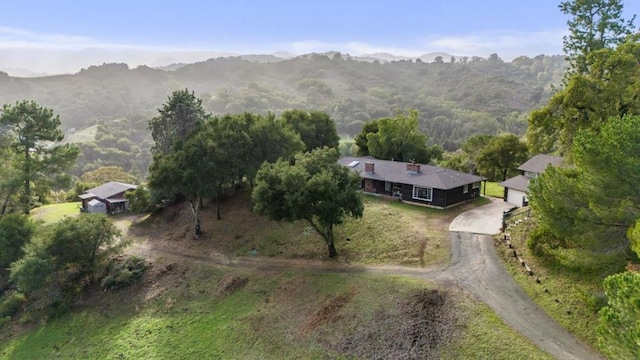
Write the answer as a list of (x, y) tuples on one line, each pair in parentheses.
[(476, 268)]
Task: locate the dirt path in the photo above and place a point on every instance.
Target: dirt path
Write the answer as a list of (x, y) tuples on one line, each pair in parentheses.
[(474, 267)]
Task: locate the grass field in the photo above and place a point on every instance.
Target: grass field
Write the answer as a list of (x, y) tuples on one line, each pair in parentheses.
[(493, 189), (389, 232), (198, 311), (194, 309), (52, 213)]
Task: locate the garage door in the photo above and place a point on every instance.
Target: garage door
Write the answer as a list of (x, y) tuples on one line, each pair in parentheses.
[(515, 197)]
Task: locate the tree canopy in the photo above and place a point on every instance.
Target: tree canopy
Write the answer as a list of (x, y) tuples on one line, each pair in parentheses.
[(501, 155), (34, 134), (64, 259), (400, 139), (219, 154), (595, 25), (314, 187), (178, 116), (16, 230), (316, 129), (592, 205)]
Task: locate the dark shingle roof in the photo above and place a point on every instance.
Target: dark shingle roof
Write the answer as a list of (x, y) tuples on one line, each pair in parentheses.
[(107, 190), (396, 171), (538, 163), (519, 182)]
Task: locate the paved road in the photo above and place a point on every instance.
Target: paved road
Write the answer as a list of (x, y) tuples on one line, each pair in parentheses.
[(476, 268)]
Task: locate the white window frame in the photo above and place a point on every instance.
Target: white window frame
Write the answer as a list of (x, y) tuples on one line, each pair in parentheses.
[(465, 188), (416, 194)]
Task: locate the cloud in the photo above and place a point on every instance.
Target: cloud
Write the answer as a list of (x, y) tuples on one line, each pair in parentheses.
[(506, 44), (14, 37)]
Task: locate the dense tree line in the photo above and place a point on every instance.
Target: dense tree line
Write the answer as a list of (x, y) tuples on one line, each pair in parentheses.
[(587, 212), (200, 157), (454, 100)]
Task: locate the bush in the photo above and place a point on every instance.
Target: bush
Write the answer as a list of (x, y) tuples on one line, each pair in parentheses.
[(596, 301), (11, 302), (541, 241), (124, 273)]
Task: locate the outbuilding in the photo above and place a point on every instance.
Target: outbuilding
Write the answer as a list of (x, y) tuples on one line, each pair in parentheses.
[(110, 195)]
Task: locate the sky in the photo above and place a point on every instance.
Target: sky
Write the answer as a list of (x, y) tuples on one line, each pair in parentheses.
[(411, 28)]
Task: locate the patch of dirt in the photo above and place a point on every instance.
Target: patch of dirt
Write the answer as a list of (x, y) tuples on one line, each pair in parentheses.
[(328, 313), (416, 329), (230, 284)]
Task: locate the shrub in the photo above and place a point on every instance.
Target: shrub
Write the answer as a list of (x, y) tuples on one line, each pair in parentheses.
[(11, 302), (123, 273), (541, 241)]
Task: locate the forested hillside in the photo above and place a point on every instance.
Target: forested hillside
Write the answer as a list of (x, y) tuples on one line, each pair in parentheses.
[(454, 99)]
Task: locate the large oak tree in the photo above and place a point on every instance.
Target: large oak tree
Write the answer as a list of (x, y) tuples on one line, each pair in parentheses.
[(314, 188)]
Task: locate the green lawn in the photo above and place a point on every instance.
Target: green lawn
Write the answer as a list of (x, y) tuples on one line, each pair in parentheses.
[(493, 189), (389, 232), (52, 213)]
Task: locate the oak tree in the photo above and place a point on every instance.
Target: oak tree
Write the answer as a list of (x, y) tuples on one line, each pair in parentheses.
[(314, 187)]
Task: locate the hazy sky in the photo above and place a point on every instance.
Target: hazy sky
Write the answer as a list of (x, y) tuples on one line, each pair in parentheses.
[(460, 27)]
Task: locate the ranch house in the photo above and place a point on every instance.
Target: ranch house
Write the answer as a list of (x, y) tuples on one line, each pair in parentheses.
[(415, 183)]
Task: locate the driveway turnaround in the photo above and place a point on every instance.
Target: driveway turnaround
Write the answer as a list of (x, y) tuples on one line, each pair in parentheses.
[(481, 220)]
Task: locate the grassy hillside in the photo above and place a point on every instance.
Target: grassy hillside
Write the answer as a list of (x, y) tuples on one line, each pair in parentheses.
[(388, 233), (193, 310), (189, 306), (53, 213)]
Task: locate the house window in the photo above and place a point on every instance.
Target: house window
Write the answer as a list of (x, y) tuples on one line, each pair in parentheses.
[(476, 185), (465, 188), (422, 193), (387, 186)]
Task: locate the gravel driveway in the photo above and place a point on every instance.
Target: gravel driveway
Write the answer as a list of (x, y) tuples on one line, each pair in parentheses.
[(476, 268)]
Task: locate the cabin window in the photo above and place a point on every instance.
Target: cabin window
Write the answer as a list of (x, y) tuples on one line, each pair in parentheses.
[(465, 188), (422, 193), (387, 186), (476, 185)]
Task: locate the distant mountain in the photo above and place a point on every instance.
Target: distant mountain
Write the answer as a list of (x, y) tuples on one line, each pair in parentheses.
[(383, 57), (58, 61), (283, 54), (171, 67), (261, 58), (454, 100), (430, 57)]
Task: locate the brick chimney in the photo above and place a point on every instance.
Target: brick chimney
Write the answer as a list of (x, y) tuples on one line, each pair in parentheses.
[(368, 167), (413, 168)]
